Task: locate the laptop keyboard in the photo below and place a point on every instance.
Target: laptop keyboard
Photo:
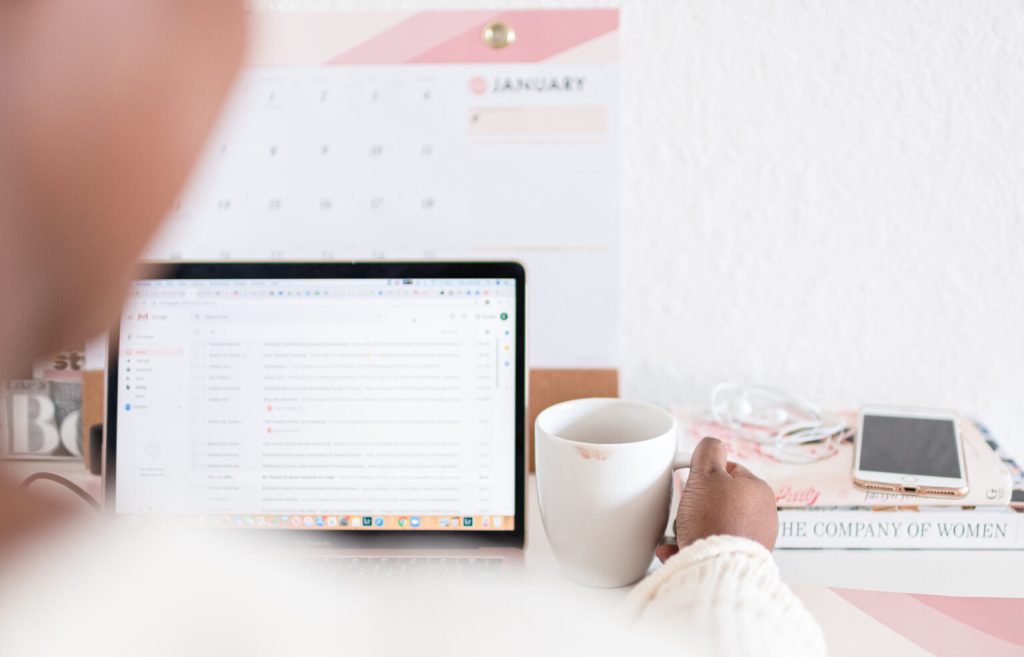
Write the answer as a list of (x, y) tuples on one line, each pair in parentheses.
[(383, 567)]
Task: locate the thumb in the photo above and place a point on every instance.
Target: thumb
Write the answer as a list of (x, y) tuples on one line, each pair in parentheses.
[(665, 551), (710, 456)]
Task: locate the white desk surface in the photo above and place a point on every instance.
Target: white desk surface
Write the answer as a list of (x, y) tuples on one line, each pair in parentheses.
[(942, 572)]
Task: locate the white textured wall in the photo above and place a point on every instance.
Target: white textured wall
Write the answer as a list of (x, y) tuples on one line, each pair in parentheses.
[(826, 196), (829, 197)]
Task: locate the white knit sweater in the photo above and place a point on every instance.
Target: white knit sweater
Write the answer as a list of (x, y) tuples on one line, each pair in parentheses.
[(727, 591), (168, 595)]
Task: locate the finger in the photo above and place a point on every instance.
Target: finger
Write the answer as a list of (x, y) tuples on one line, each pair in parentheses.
[(665, 551), (710, 456)]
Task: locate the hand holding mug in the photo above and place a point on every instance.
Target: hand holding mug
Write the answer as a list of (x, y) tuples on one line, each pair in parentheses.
[(721, 497), (604, 472)]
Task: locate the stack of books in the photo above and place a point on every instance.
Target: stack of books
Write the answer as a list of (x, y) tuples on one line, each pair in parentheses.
[(41, 417), (819, 507)]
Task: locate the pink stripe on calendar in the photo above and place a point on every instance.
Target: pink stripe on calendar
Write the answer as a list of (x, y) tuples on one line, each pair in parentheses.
[(540, 34), (410, 38), (456, 37)]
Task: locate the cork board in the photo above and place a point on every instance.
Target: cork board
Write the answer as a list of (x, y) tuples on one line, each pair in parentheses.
[(550, 386), (93, 407)]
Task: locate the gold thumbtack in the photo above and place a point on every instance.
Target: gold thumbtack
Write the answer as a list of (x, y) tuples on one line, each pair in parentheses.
[(498, 35)]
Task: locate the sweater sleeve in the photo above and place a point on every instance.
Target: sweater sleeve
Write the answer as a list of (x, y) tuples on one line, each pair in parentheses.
[(724, 596)]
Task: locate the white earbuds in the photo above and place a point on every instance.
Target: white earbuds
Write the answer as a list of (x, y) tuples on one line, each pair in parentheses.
[(786, 423)]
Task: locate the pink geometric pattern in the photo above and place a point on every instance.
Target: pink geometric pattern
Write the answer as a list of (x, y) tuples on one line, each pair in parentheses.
[(947, 626), (1001, 617), (454, 37), (412, 37)]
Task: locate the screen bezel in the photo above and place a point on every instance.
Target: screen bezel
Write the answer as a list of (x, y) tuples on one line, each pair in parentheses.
[(905, 479), (363, 538)]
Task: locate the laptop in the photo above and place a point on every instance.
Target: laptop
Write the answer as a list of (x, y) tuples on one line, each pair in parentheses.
[(371, 413)]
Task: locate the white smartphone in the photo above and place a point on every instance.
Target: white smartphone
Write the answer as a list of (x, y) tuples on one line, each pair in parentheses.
[(909, 450)]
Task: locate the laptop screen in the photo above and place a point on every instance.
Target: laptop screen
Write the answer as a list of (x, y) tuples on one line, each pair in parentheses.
[(319, 404)]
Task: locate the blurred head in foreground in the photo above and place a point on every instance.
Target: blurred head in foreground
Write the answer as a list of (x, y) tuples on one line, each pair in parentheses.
[(104, 106)]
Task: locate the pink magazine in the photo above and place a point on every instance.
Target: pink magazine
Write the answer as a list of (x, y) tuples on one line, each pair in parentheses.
[(829, 482)]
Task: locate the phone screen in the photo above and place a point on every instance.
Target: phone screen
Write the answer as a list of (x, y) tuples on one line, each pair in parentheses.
[(909, 445)]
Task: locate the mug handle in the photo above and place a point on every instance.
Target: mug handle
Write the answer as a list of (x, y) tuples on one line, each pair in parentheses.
[(680, 461)]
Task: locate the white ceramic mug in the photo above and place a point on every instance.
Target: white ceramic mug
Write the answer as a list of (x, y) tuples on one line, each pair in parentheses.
[(604, 482)]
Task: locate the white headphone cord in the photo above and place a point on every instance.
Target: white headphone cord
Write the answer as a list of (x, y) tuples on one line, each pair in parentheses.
[(791, 427)]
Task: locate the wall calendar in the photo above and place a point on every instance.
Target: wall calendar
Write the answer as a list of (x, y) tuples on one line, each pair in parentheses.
[(426, 135)]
